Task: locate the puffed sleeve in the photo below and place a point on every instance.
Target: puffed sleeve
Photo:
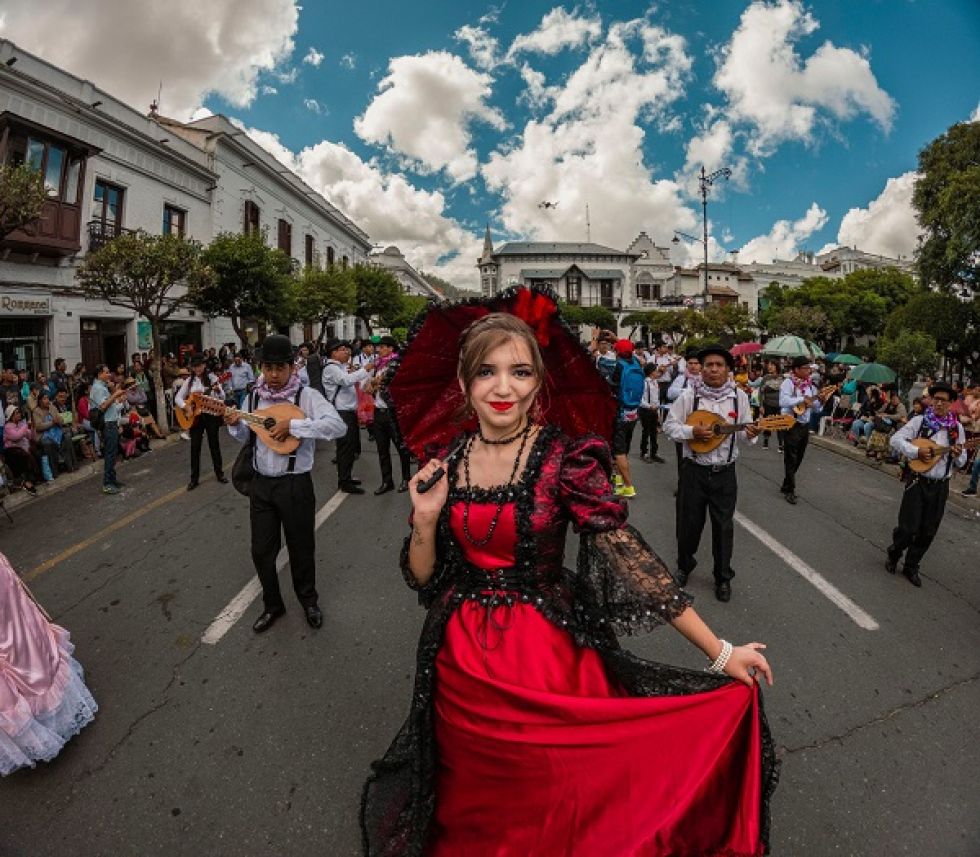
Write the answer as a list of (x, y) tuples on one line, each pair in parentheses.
[(620, 581)]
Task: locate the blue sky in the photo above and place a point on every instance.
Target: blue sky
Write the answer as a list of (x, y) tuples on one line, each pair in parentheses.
[(424, 121)]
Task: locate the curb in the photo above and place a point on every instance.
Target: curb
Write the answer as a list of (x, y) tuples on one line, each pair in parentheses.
[(970, 504), (66, 480)]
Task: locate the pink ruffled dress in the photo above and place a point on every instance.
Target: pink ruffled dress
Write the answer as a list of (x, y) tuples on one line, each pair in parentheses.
[(43, 698)]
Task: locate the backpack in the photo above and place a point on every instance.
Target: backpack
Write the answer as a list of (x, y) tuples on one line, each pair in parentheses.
[(606, 367), (631, 383)]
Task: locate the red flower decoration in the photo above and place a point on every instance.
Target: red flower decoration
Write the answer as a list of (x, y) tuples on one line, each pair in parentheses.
[(733, 414), (536, 309)]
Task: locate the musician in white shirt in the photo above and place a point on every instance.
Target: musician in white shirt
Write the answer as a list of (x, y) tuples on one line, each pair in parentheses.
[(708, 483), (796, 390), (924, 500), (203, 382), (281, 497), (340, 389)]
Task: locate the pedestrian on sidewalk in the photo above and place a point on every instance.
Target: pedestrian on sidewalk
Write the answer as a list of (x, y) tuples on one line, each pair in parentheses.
[(281, 498), (924, 499), (109, 404)]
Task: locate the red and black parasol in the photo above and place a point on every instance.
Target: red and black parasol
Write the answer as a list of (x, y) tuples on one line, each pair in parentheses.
[(425, 393)]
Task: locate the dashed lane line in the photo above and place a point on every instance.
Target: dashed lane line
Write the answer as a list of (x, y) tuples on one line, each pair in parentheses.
[(236, 608), (808, 573)]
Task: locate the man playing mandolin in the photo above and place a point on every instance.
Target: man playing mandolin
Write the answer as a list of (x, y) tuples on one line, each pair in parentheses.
[(203, 383), (281, 492), (707, 480), (938, 441)]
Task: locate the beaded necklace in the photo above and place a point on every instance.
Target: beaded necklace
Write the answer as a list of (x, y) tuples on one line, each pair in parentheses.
[(504, 440), (524, 435)]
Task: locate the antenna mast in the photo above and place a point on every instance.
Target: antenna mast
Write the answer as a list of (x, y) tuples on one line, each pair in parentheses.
[(588, 225)]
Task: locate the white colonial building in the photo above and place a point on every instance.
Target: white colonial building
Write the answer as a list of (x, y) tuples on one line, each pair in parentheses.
[(107, 169), (255, 192), (412, 282)]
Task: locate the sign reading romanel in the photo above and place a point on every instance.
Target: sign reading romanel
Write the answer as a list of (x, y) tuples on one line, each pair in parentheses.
[(25, 304)]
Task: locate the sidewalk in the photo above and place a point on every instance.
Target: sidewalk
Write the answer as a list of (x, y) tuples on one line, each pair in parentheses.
[(846, 449), (85, 471)]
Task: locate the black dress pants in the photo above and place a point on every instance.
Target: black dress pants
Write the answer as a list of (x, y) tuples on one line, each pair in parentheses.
[(384, 439), (794, 448), (348, 447), (715, 491), (277, 504), (648, 437), (210, 424), (919, 517)]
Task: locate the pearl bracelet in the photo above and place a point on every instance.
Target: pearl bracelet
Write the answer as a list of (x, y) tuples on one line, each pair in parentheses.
[(718, 665)]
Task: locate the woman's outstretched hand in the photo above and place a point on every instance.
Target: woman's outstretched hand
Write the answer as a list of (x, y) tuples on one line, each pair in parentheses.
[(746, 662)]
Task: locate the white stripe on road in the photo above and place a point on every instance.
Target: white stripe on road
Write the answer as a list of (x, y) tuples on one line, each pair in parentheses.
[(838, 598), (241, 602)]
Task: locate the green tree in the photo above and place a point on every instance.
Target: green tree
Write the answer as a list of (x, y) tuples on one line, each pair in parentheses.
[(941, 316), (910, 353), (591, 316), (249, 280), (143, 273), (321, 296), (378, 295), (727, 323), (809, 322), (22, 196), (947, 201), (412, 306)]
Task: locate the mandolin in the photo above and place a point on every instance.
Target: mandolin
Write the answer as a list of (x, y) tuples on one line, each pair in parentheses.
[(187, 416), (722, 429), (261, 421), (924, 465), (824, 394)]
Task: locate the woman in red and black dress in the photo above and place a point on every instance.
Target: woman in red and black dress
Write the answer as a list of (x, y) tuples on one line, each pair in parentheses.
[(531, 731)]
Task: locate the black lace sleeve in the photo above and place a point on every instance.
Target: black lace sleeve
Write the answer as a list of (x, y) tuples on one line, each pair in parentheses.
[(622, 581)]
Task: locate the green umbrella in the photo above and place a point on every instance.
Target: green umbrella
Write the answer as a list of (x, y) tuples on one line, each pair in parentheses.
[(791, 346), (873, 373), (849, 359)]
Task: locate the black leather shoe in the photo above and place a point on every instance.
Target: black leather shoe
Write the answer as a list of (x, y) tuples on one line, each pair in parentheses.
[(266, 620), (403, 486), (221, 478), (384, 489), (790, 498), (192, 484), (355, 481), (314, 618), (659, 459), (681, 578), (913, 575), (891, 565), (723, 591), (350, 488)]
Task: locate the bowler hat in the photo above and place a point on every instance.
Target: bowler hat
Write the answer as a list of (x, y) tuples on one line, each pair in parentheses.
[(333, 344), (277, 349), (197, 359), (942, 387), (390, 341), (800, 362), (714, 348), (692, 354)]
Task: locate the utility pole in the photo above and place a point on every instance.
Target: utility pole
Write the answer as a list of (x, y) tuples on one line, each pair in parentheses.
[(588, 225)]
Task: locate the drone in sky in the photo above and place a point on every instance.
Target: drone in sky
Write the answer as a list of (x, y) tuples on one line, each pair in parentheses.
[(547, 204)]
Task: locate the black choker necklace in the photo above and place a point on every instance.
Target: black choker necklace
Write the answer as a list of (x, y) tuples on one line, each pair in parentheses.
[(504, 440)]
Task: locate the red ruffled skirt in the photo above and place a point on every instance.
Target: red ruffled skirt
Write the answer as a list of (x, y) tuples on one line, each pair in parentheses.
[(540, 754)]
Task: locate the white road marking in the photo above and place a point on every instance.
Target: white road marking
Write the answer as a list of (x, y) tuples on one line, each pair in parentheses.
[(824, 586), (240, 603)]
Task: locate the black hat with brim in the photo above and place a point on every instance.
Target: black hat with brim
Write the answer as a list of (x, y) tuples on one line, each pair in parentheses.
[(720, 351), (942, 387), (333, 344), (276, 349), (692, 354), (197, 359), (800, 362), (390, 341)]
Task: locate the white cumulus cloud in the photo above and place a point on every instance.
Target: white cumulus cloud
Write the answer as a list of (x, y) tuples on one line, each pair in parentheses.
[(785, 238), (589, 149), (313, 57), (888, 225), (423, 111), (196, 49), (483, 48), (558, 29), (782, 96), (975, 115)]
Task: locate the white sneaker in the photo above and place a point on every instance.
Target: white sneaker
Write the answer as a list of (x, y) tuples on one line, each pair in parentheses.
[(184, 436)]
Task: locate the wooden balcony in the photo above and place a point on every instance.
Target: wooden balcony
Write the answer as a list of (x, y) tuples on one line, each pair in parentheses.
[(56, 233)]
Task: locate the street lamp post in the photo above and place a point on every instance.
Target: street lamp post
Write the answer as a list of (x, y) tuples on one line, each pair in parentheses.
[(705, 181)]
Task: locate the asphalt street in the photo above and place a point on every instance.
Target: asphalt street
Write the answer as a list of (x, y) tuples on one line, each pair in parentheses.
[(259, 745)]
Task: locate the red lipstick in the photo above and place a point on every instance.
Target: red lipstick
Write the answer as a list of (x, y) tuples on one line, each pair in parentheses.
[(501, 406)]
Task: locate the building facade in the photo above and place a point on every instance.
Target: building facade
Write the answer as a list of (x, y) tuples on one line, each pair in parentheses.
[(107, 169), (412, 282)]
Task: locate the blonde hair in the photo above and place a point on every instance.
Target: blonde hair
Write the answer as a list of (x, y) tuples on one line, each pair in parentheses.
[(488, 333)]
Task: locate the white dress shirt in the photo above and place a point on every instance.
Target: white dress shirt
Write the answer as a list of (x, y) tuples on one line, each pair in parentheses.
[(322, 422), (651, 393), (900, 442), (340, 386), (790, 395), (676, 428), (677, 386), (194, 385)]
